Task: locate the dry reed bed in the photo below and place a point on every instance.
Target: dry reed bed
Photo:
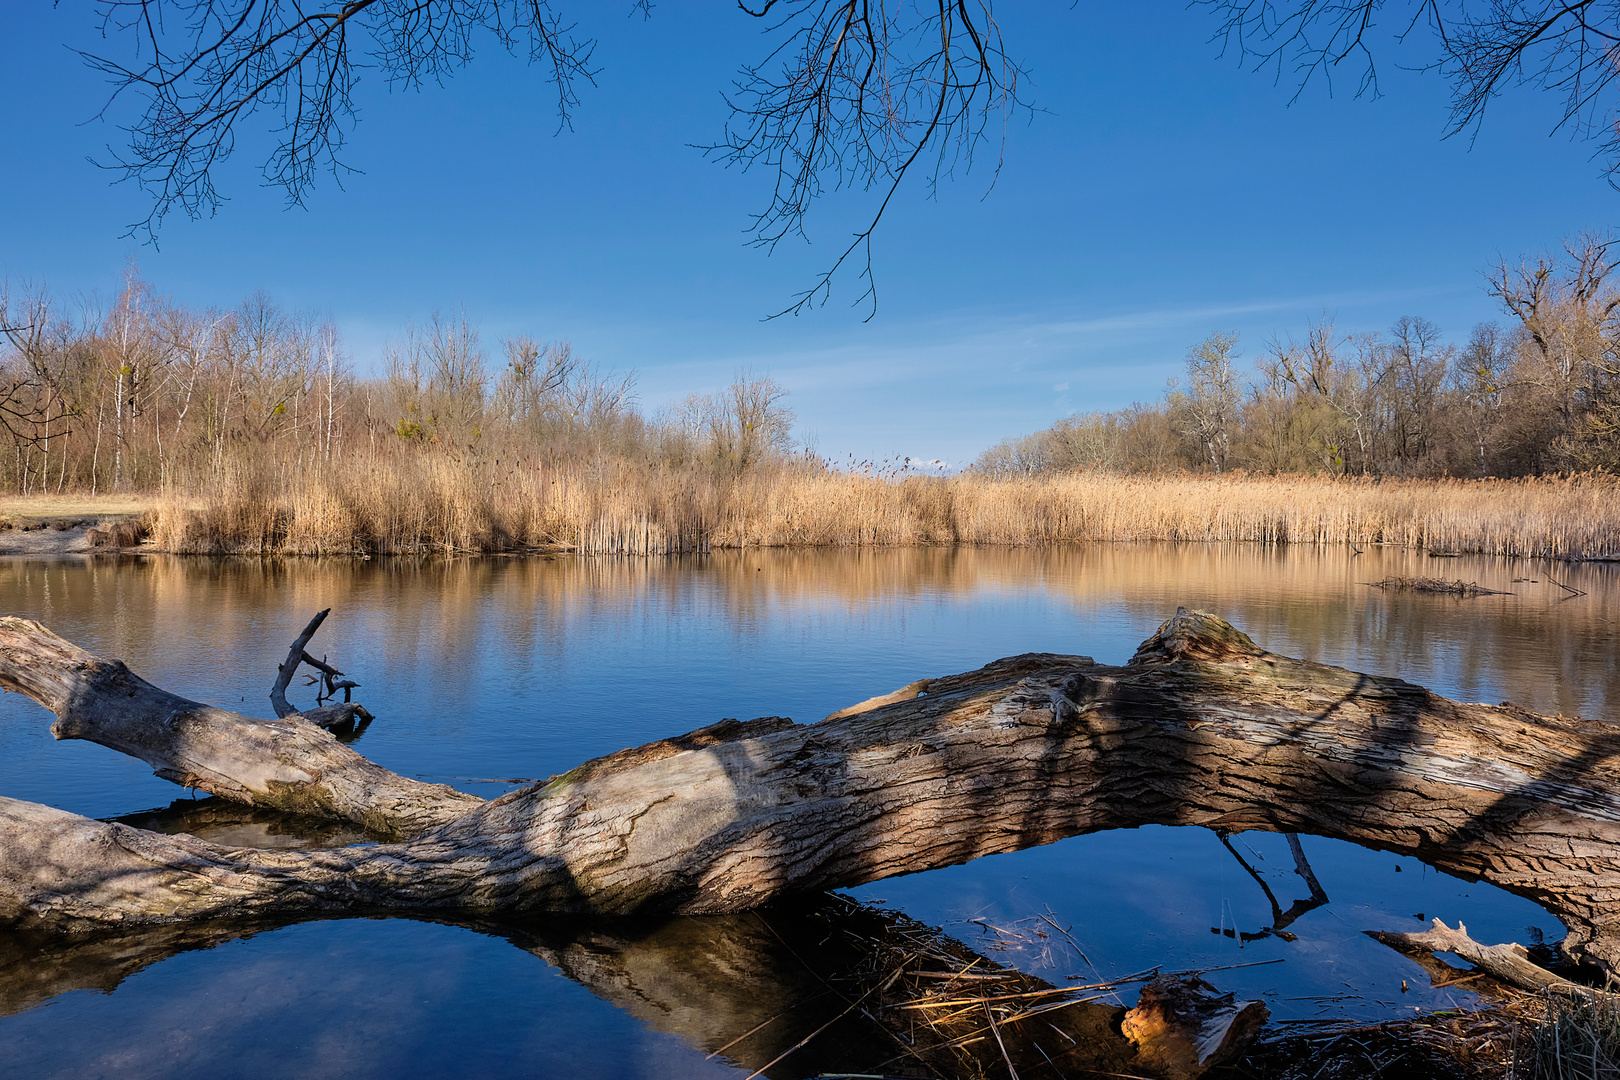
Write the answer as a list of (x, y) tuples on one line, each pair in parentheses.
[(439, 504)]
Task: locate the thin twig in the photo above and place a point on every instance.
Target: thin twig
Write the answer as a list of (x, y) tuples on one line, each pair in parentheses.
[(996, 1031), (805, 1041)]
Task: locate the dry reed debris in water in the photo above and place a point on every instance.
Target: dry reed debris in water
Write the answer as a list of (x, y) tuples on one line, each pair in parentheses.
[(1436, 585)]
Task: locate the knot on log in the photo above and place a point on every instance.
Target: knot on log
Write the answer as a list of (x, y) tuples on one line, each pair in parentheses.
[(1195, 635)]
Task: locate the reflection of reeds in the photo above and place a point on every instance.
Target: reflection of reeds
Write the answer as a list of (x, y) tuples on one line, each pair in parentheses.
[(1452, 1045), (952, 1012), (443, 504)]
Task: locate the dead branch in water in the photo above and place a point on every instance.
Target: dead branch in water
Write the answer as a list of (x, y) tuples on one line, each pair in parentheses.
[(1435, 585), (329, 717), (1510, 963)]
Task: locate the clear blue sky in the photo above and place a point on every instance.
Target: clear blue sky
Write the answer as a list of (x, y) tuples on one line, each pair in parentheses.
[(1164, 194)]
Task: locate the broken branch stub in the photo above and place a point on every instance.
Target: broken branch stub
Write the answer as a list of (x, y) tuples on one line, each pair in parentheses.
[(1509, 963), (1202, 727), (289, 764), (289, 666), (326, 716)]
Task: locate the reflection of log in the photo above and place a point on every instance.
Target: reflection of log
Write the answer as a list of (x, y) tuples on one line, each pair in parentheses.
[(236, 825), (1200, 728), (755, 988)]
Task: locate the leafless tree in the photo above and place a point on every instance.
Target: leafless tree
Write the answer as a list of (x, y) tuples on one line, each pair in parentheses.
[(200, 69), (36, 402), (850, 94), (1565, 46), (1207, 410), (743, 425), (1481, 379), (439, 382)]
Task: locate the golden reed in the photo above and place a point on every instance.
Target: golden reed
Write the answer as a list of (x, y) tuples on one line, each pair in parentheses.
[(433, 504)]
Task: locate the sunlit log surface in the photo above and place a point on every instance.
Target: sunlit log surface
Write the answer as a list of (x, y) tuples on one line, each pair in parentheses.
[(1200, 728)]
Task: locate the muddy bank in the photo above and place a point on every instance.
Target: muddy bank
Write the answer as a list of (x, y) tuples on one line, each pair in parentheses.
[(56, 535)]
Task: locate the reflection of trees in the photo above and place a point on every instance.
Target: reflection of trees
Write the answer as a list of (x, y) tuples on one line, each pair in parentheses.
[(1280, 919), (439, 615)]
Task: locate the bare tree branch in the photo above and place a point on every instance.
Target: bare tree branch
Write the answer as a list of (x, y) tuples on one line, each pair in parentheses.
[(852, 95), (1571, 47), (202, 67)]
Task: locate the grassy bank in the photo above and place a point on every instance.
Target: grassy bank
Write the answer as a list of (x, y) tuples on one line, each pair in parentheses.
[(436, 504)]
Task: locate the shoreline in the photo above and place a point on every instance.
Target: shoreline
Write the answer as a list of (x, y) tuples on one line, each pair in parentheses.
[(65, 537)]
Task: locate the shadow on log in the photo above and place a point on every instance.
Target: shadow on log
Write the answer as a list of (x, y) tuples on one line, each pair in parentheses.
[(1201, 727)]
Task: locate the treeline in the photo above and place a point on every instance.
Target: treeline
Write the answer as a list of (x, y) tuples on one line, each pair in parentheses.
[(255, 435), (145, 394), (1538, 394)]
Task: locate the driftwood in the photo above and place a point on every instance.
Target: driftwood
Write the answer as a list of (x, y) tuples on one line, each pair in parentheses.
[(1436, 585), (330, 717), (1509, 963), (1200, 728)]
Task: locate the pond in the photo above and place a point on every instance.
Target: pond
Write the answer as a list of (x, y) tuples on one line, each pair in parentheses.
[(490, 673)]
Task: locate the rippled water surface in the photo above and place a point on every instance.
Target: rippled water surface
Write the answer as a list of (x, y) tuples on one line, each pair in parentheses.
[(488, 673)]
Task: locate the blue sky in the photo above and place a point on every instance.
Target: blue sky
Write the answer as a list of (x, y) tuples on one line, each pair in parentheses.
[(1164, 193)]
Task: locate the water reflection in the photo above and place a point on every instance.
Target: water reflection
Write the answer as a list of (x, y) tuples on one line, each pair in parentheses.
[(1555, 651), (235, 825), (771, 991), (485, 673)]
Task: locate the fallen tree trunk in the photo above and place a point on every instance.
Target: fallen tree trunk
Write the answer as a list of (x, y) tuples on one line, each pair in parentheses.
[(288, 764), (1200, 728)]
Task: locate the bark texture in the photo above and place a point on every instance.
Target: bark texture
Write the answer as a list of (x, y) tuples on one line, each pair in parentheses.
[(289, 764), (1509, 963), (1202, 727)]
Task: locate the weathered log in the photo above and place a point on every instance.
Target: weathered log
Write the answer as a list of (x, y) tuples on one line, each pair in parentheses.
[(287, 764), (1202, 727), (1509, 963)]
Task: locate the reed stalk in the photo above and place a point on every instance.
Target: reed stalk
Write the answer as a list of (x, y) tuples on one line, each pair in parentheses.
[(441, 504)]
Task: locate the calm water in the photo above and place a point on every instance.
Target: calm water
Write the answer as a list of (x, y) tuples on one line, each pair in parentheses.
[(488, 673)]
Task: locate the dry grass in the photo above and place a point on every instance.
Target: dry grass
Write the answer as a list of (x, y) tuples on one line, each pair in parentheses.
[(1578, 1038), (74, 505), (439, 504)]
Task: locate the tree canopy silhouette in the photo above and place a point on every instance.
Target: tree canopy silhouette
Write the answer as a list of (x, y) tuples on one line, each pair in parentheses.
[(848, 93)]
